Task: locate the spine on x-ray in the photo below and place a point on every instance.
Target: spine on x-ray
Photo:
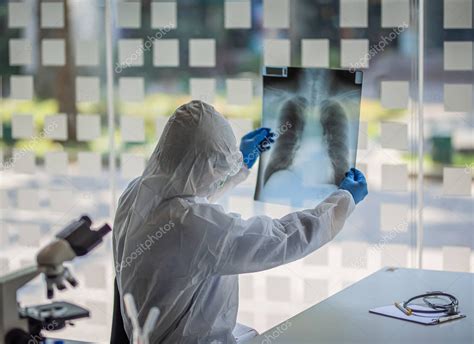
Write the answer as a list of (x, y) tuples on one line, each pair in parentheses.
[(292, 117), (336, 136)]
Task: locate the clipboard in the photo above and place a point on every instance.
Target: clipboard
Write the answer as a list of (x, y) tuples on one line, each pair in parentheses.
[(424, 319)]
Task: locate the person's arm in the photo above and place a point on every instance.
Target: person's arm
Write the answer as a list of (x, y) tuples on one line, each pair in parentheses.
[(231, 245)]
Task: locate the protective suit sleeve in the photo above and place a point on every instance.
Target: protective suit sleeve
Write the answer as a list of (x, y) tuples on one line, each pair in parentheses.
[(230, 183), (234, 245)]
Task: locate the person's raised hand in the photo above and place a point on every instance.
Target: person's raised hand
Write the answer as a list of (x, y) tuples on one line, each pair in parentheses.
[(355, 183), (255, 142)]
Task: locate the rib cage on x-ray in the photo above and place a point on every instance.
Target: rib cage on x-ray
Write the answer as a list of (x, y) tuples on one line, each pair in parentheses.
[(336, 137), (292, 117)]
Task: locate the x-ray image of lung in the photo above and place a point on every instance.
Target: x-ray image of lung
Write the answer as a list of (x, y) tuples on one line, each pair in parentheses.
[(315, 114)]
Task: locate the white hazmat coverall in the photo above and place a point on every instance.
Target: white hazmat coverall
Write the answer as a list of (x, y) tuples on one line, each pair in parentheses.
[(175, 250)]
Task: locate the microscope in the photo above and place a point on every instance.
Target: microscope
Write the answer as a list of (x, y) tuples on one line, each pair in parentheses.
[(23, 325)]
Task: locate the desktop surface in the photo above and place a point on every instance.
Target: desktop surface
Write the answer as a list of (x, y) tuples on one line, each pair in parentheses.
[(345, 318)]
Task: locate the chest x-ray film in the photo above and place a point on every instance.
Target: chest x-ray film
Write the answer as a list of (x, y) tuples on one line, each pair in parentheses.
[(315, 115)]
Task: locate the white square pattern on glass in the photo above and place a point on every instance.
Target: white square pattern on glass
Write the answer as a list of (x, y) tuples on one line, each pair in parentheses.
[(353, 13), (394, 177), (363, 135), (87, 89), (132, 129), (457, 14), (22, 126), (276, 52), (88, 127), (276, 14), (203, 89), (61, 200), (19, 14), (395, 94), (202, 52), (21, 87), (315, 53), (52, 15), (129, 15), (131, 89), (395, 13), (394, 217), (237, 14), (25, 162), (458, 97), (166, 53), (354, 53), (53, 52), (394, 135), (457, 258), (28, 199), (89, 164), (239, 91), (20, 52), (132, 165), (164, 15), (56, 163), (457, 56), (130, 52), (55, 127), (87, 52), (457, 181)]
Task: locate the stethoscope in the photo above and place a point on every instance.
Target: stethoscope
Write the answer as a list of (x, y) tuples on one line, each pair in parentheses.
[(451, 308)]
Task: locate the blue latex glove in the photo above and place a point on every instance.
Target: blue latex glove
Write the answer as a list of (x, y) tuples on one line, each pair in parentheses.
[(254, 143), (355, 183)]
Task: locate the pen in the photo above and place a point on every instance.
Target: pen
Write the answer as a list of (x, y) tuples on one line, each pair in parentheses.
[(448, 318), (406, 310)]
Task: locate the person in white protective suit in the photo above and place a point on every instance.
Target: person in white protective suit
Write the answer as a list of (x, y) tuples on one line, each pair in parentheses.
[(176, 250)]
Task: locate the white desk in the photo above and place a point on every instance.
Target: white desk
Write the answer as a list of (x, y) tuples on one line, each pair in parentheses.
[(344, 317)]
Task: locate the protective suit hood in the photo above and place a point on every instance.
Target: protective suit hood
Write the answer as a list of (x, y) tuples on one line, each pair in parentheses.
[(195, 155)]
